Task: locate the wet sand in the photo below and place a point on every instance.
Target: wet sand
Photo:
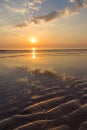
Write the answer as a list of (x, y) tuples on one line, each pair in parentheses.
[(42, 101)]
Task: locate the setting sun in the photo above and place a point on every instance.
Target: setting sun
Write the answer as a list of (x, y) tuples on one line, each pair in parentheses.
[(33, 40)]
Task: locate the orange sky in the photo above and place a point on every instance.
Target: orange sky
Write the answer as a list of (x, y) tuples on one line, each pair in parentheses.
[(66, 29)]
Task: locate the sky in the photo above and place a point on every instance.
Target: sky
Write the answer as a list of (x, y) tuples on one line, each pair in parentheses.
[(53, 23)]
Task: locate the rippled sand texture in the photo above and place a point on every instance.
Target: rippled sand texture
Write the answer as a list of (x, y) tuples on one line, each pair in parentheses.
[(42, 101)]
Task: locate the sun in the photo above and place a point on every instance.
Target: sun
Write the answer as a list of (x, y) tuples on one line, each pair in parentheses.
[(33, 40)]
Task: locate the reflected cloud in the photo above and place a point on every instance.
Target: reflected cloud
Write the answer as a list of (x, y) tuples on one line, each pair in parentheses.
[(33, 53)]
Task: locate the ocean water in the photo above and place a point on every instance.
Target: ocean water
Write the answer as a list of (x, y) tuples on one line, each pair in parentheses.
[(62, 61)]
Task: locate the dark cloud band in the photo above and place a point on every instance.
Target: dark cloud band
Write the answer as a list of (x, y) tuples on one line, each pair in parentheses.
[(78, 4)]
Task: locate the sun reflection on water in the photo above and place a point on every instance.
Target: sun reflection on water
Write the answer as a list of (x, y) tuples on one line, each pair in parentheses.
[(33, 53)]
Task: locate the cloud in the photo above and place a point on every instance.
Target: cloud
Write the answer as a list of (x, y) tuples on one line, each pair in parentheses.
[(21, 5), (38, 1), (17, 12), (69, 11), (47, 17), (53, 15), (22, 24), (20, 13), (77, 2)]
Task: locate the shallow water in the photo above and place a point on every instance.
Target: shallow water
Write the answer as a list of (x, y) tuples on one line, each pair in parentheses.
[(68, 61), (25, 94)]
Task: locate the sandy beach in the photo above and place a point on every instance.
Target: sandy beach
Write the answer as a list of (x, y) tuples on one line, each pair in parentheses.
[(35, 100), (43, 64)]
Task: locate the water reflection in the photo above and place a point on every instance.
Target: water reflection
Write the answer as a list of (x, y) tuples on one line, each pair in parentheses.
[(33, 53)]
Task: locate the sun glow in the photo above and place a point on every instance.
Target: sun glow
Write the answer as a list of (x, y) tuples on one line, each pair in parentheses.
[(33, 40)]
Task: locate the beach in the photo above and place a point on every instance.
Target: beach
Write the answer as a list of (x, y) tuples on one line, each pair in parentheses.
[(51, 96), (43, 64)]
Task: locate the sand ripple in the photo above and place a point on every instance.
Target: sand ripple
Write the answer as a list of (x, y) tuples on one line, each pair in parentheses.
[(43, 101)]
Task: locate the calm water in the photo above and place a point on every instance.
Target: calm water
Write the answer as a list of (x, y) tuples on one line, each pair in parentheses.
[(73, 62)]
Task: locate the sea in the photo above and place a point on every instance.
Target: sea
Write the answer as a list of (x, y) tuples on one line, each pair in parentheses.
[(61, 61)]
